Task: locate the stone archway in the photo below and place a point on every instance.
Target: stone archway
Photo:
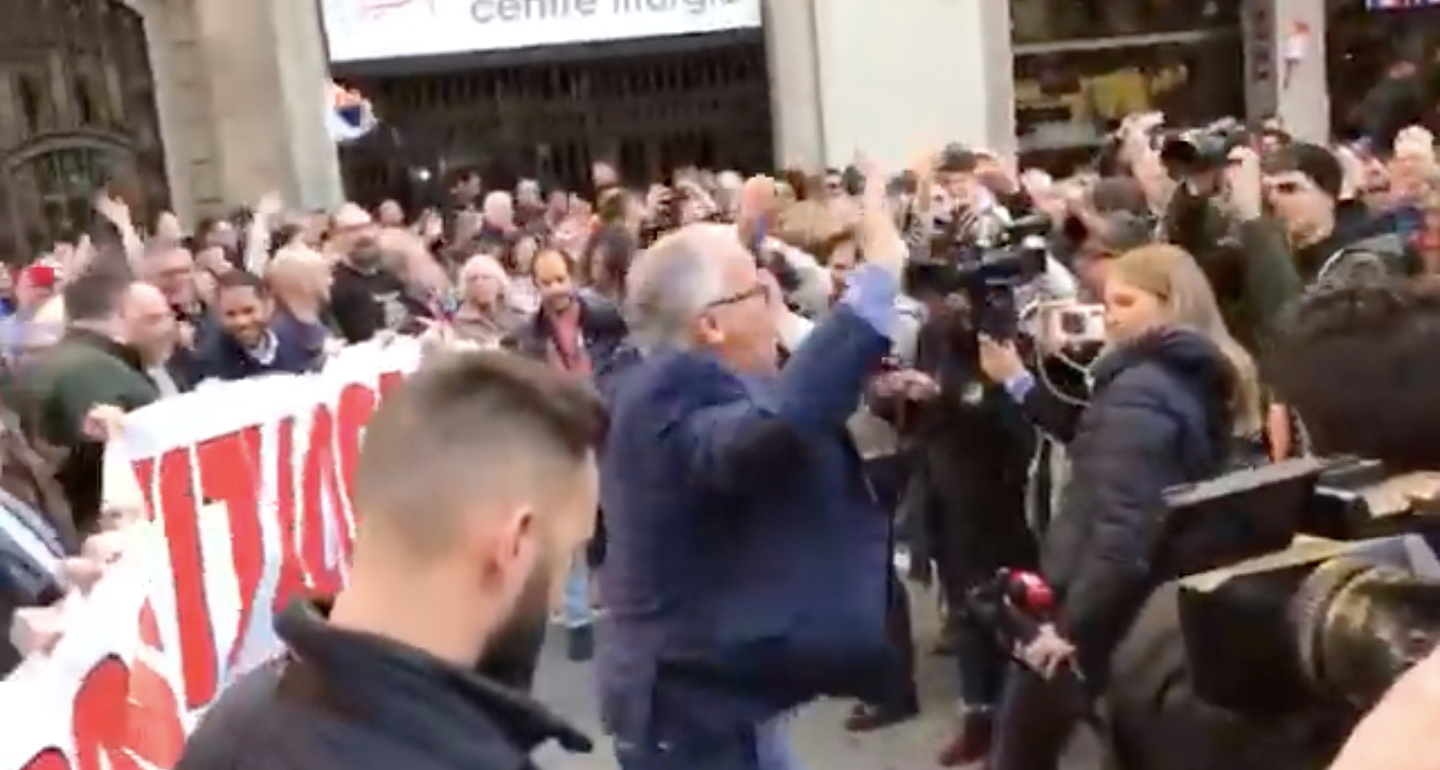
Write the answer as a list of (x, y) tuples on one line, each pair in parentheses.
[(77, 111), (239, 92)]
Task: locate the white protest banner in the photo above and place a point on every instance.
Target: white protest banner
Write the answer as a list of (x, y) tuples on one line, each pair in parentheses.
[(246, 486)]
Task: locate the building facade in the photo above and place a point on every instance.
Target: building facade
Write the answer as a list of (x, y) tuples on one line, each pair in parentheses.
[(232, 108)]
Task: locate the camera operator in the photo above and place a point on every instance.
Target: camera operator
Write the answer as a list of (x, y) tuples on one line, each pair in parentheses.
[(972, 449), (1372, 333), (1217, 213), (960, 190), (1171, 391)]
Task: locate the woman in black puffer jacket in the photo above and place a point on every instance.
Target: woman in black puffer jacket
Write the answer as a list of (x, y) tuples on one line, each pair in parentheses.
[(1171, 392)]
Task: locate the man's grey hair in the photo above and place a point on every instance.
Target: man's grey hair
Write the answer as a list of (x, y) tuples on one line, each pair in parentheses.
[(670, 284)]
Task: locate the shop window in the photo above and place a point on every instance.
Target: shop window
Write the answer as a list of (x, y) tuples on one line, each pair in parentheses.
[(1049, 21), (1361, 44), (1066, 102)]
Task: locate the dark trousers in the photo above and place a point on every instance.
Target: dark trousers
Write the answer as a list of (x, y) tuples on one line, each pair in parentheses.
[(900, 678), (1035, 720), (981, 665)]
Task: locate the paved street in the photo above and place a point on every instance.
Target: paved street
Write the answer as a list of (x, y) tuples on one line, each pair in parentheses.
[(818, 734)]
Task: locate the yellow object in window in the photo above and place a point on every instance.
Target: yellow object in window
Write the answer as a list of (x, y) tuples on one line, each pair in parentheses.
[(1120, 93)]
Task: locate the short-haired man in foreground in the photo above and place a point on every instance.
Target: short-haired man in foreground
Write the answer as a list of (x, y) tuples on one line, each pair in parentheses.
[(476, 483), (748, 565)]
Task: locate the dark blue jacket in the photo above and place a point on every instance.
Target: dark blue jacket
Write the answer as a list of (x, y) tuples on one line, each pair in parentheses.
[(1159, 417), (223, 358), (748, 563)]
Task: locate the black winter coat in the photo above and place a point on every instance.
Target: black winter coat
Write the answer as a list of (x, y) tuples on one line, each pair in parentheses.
[(342, 700), (1159, 417)]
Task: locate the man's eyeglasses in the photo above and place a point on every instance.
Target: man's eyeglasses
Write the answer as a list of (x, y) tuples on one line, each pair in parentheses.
[(758, 290), (1286, 188)]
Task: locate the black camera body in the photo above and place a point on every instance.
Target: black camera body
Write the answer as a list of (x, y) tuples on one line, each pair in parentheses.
[(984, 271), (1278, 622), (1323, 625), (1208, 149)]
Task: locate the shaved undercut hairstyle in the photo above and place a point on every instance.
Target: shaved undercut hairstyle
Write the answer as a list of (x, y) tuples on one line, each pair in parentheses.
[(467, 427)]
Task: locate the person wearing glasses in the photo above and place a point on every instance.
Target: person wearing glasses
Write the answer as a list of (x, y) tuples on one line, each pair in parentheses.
[(747, 570), (1333, 239)]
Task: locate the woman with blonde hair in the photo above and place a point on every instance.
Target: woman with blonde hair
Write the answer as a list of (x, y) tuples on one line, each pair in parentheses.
[(1171, 392), (485, 316), (1185, 299)]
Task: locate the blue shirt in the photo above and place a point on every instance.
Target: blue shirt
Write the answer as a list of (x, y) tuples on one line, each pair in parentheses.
[(871, 291)]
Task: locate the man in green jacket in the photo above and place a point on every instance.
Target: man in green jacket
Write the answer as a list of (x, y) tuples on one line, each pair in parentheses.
[(69, 396)]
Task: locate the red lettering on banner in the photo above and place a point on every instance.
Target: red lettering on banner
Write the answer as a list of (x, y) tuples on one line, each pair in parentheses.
[(389, 381), (122, 718), (325, 472), (357, 402), (321, 501), (228, 473), (49, 759), (292, 571)]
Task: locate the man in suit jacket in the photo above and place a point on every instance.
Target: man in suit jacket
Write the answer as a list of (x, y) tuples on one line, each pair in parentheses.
[(748, 562)]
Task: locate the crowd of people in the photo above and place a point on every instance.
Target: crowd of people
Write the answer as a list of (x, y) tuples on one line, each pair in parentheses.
[(791, 387)]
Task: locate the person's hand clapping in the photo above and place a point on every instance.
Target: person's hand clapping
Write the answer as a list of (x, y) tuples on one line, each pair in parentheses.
[(185, 335), (269, 206), (999, 359), (1399, 733), (168, 227), (1243, 184), (880, 242), (908, 384), (116, 211)]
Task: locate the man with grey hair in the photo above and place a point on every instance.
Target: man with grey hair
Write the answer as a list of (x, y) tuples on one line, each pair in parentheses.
[(497, 216), (748, 565)]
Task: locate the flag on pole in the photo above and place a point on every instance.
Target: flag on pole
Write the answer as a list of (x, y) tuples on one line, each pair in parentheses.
[(348, 114)]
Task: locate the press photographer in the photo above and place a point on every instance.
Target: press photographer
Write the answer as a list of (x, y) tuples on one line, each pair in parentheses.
[(1171, 392), (1217, 212), (1267, 663), (965, 504)]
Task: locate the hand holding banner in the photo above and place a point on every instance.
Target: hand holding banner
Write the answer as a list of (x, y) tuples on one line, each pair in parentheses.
[(247, 487)]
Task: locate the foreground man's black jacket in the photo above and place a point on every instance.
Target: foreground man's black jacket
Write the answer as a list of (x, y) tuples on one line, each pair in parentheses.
[(341, 700)]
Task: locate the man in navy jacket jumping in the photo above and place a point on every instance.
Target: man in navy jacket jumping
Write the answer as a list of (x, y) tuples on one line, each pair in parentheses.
[(748, 562)]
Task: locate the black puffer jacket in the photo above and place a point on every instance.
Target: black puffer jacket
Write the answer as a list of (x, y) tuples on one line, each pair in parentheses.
[(1159, 417)]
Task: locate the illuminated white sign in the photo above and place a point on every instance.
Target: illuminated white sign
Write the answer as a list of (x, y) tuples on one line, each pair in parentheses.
[(365, 30)]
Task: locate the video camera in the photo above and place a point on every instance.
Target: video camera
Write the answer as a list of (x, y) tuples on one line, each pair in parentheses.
[(1197, 151), (985, 269), (1278, 622)]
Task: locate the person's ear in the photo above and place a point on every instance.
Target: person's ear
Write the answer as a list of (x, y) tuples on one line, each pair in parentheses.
[(708, 332), (505, 549)]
